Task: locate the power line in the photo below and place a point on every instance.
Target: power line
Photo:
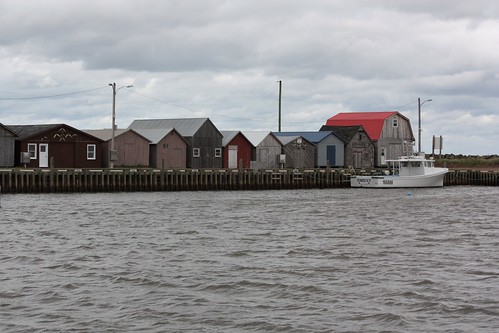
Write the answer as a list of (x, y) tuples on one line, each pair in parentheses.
[(162, 101), (184, 107), (146, 96), (216, 114), (50, 96)]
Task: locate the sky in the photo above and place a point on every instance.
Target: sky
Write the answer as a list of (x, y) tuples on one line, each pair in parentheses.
[(224, 59)]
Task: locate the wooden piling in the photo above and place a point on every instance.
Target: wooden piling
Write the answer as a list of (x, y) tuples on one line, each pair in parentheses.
[(53, 180)]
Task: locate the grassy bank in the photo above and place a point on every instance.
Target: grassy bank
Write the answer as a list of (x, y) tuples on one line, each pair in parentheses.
[(489, 162)]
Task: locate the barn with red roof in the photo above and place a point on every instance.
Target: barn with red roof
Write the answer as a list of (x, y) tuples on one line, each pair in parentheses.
[(390, 132)]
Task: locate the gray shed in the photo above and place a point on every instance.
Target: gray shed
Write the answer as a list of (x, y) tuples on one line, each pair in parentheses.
[(329, 147), (388, 130), (204, 140), (268, 149), (7, 146), (299, 152), (359, 149)]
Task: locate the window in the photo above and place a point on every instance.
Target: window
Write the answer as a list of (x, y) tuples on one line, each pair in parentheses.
[(218, 152), (32, 150), (395, 122), (90, 152), (196, 152)]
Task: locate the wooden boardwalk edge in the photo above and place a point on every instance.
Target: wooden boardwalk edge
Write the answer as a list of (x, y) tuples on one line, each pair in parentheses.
[(20, 180)]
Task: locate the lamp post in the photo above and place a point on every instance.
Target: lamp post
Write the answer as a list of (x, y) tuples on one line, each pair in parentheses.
[(419, 121), (113, 129)]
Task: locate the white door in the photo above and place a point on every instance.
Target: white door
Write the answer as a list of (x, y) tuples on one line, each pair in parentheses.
[(357, 159), (43, 156), (232, 158), (383, 156)]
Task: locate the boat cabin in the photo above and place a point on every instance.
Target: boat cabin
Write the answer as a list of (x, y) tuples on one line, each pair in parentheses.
[(414, 165)]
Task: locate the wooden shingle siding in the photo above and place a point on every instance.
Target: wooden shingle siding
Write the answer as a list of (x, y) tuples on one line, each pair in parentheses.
[(299, 152), (359, 150), (329, 147), (390, 132)]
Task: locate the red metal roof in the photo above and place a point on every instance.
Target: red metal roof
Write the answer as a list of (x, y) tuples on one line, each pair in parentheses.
[(372, 122)]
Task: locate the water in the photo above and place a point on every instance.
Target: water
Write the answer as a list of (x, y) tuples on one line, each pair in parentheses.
[(339, 260)]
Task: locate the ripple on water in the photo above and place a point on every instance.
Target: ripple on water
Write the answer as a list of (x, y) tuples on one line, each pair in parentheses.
[(251, 261)]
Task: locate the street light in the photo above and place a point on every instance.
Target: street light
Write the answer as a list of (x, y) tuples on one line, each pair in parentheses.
[(112, 153), (419, 121)]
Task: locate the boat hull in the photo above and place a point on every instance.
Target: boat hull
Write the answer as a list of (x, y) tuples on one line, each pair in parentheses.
[(395, 181)]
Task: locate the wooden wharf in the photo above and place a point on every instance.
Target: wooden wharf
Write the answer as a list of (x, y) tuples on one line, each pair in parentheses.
[(23, 180)]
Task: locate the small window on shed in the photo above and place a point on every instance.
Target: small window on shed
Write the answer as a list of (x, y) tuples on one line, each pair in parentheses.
[(90, 152), (218, 152), (196, 152), (395, 122), (32, 150)]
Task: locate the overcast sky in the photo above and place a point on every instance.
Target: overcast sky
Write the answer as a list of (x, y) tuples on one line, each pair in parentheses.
[(223, 59)]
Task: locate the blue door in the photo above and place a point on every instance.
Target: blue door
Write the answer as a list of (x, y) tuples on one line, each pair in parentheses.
[(331, 155)]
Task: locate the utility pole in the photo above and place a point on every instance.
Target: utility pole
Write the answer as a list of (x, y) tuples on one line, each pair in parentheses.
[(112, 151), (280, 95), (113, 128)]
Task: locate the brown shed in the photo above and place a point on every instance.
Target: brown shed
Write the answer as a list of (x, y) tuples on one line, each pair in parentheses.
[(167, 149), (132, 148), (56, 145)]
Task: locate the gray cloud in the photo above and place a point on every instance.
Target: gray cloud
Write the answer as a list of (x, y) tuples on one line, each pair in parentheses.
[(222, 59)]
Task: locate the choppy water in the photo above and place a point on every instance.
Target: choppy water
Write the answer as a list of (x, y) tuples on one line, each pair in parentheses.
[(340, 260)]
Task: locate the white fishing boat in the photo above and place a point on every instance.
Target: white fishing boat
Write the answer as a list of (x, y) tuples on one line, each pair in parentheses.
[(407, 171)]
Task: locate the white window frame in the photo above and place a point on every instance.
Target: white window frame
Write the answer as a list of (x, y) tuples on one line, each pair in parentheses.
[(395, 122), (91, 154), (196, 152), (33, 151), (218, 152)]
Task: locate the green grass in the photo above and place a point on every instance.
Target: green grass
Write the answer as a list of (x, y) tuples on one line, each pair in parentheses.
[(461, 161)]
